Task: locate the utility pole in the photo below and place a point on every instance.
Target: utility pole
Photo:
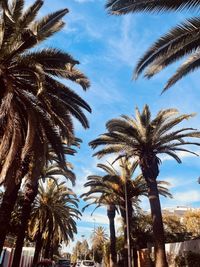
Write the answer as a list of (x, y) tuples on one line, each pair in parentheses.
[(127, 225), (94, 234), (82, 243)]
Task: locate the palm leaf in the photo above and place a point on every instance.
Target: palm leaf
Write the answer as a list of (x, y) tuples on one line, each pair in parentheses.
[(126, 6)]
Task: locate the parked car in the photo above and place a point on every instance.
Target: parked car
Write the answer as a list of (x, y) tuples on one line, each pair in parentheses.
[(63, 263), (87, 263)]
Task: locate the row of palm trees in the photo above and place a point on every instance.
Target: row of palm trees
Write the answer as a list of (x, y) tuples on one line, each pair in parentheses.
[(141, 139), (110, 190), (36, 107)]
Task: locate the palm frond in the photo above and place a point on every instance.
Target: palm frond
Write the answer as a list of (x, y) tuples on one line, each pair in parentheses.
[(126, 6)]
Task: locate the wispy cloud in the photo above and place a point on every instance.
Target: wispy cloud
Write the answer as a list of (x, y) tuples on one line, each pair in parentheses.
[(189, 196), (181, 155)]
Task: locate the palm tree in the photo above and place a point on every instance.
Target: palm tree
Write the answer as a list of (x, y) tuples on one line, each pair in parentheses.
[(36, 109), (52, 169), (53, 218), (145, 138), (179, 42), (51, 172), (113, 187), (99, 237), (108, 198)]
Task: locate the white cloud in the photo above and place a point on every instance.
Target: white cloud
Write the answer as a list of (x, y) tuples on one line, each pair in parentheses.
[(176, 182), (181, 155), (96, 218), (187, 197)]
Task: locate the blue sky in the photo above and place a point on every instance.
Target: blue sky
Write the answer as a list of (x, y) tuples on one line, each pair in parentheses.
[(108, 48)]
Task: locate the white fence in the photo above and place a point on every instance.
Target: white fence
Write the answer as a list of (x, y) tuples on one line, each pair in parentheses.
[(26, 259), (174, 249)]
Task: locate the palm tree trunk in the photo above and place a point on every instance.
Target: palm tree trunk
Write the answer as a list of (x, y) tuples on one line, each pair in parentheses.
[(38, 247), (49, 237), (111, 217), (158, 230), (31, 192), (150, 171), (6, 209), (125, 250)]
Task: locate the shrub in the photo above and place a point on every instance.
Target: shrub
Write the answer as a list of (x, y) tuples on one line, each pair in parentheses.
[(189, 259)]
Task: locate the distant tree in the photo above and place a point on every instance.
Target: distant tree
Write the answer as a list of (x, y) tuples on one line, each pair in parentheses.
[(99, 238), (175, 230), (191, 221), (84, 249), (76, 252), (81, 251)]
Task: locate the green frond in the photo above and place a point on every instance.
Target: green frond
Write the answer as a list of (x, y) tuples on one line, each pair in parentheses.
[(29, 15), (108, 150), (119, 7), (190, 65), (16, 9), (6, 10), (178, 42), (49, 24), (109, 169)]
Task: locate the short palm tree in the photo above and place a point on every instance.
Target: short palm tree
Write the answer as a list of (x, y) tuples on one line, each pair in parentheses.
[(36, 108), (53, 218), (179, 42), (145, 138), (106, 198), (99, 236)]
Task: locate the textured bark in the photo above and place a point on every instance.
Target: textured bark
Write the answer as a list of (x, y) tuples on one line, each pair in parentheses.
[(30, 193), (150, 171), (111, 217), (38, 247), (49, 238), (6, 209)]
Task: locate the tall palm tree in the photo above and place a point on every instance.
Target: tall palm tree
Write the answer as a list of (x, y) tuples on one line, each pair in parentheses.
[(112, 189), (182, 40), (36, 109), (144, 138), (53, 218)]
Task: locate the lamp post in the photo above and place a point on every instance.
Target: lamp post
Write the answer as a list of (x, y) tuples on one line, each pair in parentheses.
[(82, 243), (127, 225), (126, 174), (94, 234)]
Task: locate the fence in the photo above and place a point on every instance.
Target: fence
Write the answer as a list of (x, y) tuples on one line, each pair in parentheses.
[(172, 250), (26, 259)]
